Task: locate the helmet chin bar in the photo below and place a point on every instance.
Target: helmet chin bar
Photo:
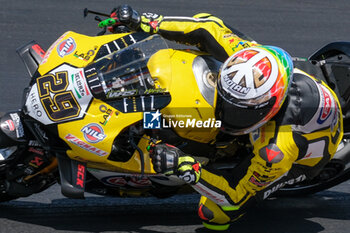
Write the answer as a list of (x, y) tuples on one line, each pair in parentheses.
[(237, 120)]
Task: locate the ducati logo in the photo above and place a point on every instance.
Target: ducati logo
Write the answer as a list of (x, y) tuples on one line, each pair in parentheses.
[(250, 73)]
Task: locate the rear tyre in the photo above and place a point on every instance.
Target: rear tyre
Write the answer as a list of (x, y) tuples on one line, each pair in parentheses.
[(333, 174)]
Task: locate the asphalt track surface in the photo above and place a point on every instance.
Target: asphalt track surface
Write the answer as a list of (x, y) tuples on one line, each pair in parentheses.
[(299, 26)]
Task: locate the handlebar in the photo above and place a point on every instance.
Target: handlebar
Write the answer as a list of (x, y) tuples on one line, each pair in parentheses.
[(109, 22)]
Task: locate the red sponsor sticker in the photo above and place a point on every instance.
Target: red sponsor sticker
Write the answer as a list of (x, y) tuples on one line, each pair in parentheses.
[(38, 50), (140, 182), (116, 180), (66, 47), (10, 125), (326, 109), (80, 175)]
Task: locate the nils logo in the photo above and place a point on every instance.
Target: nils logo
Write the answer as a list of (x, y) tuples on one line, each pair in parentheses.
[(66, 47), (93, 133)]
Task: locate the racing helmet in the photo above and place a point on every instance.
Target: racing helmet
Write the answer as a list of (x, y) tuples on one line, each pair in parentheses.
[(252, 86)]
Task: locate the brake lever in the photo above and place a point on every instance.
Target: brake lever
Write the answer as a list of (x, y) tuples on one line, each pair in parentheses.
[(101, 33), (87, 11)]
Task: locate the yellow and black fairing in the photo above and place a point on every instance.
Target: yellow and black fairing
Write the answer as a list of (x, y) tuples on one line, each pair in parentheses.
[(59, 97), (89, 120), (140, 79)]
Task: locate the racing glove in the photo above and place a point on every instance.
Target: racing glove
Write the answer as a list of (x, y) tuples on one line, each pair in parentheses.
[(150, 22), (127, 16), (170, 160), (147, 22)]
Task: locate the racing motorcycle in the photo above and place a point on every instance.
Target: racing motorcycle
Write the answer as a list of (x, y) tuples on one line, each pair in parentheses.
[(93, 105)]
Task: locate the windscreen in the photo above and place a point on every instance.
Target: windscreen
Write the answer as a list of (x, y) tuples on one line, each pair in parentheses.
[(124, 73)]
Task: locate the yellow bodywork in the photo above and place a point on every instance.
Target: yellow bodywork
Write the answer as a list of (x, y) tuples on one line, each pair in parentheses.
[(172, 70)]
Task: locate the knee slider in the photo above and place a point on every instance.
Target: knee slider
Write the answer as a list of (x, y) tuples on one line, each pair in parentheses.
[(204, 213), (210, 212)]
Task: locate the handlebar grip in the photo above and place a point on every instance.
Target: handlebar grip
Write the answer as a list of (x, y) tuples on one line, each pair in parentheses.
[(107, 23)]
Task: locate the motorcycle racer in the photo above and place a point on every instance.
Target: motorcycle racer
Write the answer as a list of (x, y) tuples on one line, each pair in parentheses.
[(294, 121)]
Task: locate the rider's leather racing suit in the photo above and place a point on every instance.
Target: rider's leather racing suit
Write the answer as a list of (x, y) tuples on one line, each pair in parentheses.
[(291, 147)]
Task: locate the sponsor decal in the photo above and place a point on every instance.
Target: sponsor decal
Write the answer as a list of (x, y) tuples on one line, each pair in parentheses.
[(154, 24), (115, 94), (241, 43), (228, 35), (93, 133), (120, 43), (268, 192), (80, 175), (249, 74), (142, 103), (36, 162), (151, 120), (36, 150), (9, 125), (66, 47), (335, 117), (127, 180), (259, 180), (85, 56), (48, 52), (38, 50), (33, 143), (326, 109), (108, 114), (154, 91), (271, 153), (139, 182), (90, 72), (18, 125), (78, 142), (255, 135), (80, 87), (216, 197), (241, 89), (115, 180), (34, 104), (262, 130)]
